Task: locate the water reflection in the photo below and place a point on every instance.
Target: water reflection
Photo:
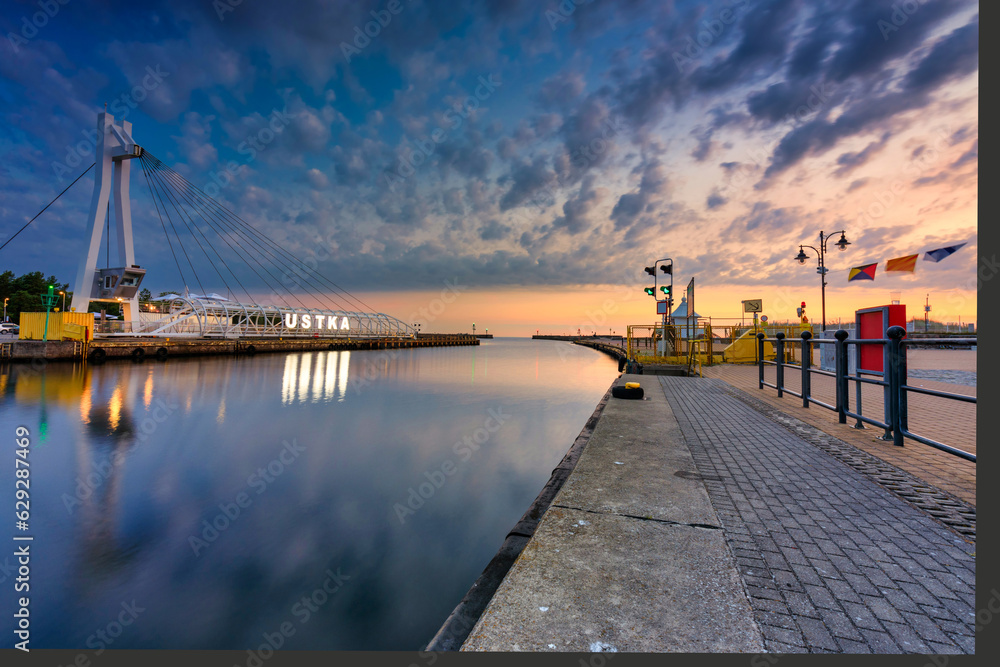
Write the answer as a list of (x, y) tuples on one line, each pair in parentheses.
[(315, 376), (138, 458)]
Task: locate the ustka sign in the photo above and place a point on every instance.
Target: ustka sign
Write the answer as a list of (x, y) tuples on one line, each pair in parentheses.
[(316, 322)]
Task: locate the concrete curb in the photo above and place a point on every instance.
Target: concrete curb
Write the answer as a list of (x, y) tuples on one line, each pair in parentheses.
[(464, 617)]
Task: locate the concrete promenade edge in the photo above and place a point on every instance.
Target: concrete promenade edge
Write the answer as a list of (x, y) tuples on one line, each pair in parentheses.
[(694, 522), (630, 556)]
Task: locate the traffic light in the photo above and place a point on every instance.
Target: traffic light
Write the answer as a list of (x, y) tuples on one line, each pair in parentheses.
[(667, 268), (650, 270), (666, 290), (650, 291)]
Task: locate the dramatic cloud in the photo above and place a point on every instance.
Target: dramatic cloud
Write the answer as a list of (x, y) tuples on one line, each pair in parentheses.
[(478, 140)]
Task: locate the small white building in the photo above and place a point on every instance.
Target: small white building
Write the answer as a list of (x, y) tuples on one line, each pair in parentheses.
[(680, 319)]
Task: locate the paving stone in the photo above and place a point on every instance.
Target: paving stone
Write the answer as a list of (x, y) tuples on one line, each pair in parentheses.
[(862, 616), (844, 557), (854, 647), (882, 609), (840, 625), (880, 642), (816, 634), (906, 637)]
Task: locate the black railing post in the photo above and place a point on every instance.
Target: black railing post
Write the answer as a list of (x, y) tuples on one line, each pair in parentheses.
[(895, 335), (841, 368), (779, 359), (760, 361), (806, 364)]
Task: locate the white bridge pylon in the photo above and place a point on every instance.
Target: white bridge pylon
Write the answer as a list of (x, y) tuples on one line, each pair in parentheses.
[(188, 314), (115, 149)]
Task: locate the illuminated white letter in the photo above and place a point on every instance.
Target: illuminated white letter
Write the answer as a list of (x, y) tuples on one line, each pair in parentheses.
[(344, 324), (319, 321), (332, 322), (306, 320), (290, 320)]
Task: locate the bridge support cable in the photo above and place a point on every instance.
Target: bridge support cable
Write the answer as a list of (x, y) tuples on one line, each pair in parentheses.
[(197, 209), (238, 236), (304, 269), (202, 203), (156, 186), (290, 268), (192, 227), (162, 225), (47, 205), (245, 254)]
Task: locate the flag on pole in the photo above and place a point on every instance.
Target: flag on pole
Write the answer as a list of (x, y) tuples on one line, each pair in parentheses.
[(908, 263), (941, 253), (866, 272)]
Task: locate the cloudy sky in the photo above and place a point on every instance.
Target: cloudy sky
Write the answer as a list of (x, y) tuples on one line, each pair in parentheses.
[(516, 163)]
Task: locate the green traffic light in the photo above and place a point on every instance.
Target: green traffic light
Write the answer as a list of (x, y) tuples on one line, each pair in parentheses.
[(649, 291), (665, 289)]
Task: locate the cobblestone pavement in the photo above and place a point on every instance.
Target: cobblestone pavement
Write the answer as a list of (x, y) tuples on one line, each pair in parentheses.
[(832, 562), (948, 421)]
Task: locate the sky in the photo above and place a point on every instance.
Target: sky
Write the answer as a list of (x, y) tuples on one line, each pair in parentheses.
[(516, 163)]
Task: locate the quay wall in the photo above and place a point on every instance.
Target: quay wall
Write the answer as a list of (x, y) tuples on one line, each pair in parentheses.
[(102, 349)]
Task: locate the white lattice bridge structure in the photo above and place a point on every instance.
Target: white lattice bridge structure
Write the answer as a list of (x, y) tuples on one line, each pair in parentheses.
[(210, 317)]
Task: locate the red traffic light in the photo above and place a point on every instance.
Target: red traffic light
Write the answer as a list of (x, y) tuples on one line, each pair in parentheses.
[(650, 270), (667, 268)]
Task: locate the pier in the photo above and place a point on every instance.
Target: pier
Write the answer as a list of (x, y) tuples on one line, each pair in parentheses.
[(712, 516), (138, 349)]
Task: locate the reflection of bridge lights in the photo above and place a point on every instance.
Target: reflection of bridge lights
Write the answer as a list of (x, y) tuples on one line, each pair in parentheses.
[(315, 377), (345, 362), (115, 408), (147, 390)]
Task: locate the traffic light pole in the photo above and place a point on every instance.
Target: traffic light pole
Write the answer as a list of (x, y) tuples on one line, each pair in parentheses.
[(669, 269)]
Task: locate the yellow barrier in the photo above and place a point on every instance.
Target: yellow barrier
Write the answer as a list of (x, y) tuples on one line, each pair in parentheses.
[(62, 326)]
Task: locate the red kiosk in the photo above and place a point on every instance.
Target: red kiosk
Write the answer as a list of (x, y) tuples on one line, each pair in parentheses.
[(873, 358)]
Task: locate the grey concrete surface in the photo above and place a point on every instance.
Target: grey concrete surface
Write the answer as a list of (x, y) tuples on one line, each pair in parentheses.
[(630, 557)]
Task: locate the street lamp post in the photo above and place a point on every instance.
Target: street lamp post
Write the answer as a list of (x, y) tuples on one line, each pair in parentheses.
[(64, 301), (841, 243)]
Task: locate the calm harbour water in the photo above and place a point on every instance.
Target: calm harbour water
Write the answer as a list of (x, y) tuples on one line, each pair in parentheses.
[(390, 478)]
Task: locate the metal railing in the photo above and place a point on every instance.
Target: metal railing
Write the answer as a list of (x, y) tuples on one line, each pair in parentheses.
[(893, 380)]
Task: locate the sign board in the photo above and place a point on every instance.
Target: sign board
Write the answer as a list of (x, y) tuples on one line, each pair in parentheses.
[(753, 306), (763, 318), (661, 307)]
